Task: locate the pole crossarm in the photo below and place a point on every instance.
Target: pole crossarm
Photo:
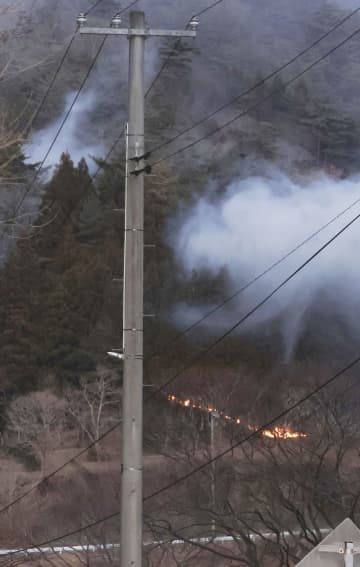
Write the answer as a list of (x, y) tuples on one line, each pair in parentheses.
[(130, 32)]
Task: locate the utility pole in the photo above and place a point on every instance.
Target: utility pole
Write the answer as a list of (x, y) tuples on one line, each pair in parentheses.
[(132, 402), (212, 416)]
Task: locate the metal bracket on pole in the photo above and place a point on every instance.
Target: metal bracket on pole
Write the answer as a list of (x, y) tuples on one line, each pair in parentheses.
[(146, 169), (139, 158), (348, 549)]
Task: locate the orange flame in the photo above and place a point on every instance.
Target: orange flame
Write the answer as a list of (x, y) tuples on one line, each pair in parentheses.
[(282, 433), (276, 433)]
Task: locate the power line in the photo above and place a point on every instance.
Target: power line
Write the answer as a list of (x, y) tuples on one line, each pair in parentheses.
[(254, 280), (68, 47), (253, 87), (48, 89), (64, 535), (29, 188), (181, 479), (53, 473), (207, 8), (27, 191), (117, 140), (177, 43), (267, 78), (128, 7), (195, 470), (58, 469), (52, 82), (81, 87), (107, 432), (203, 353), (107, 157), (99, 168), (93, 443), (256, 432), (163, 66), (255, 105), (258, 306), (121, 11), (72, 105), (57, 71), (159, 73), (93, 7)]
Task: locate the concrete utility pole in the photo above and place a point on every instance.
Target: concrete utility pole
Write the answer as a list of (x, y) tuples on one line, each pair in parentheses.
[(132, 403), (212, 416)]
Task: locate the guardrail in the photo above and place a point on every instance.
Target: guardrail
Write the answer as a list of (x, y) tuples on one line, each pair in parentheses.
[(93, 548)]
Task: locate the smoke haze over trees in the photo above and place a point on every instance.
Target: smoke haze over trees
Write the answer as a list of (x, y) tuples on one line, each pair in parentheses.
[(219, 213)]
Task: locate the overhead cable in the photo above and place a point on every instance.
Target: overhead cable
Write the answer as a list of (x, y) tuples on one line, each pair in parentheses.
[(236, 293), (29, 188), (251, 107), (178, 41), (201, 467), (253, 310), (251, 89), (93, 7), (47, 477), (83, 451), (256, 431), (52, 82), (255, 279), (193, 361), (58, 132)]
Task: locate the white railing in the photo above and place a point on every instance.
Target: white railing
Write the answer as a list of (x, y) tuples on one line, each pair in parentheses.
[(91, 548)]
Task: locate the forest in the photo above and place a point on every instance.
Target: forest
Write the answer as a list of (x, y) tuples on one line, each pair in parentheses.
[(217, 214)]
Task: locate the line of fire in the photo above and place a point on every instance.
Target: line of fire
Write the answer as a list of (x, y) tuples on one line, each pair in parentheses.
[(278, 432)]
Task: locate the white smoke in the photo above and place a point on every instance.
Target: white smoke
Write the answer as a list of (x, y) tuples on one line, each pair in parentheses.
[(257, 221), (72, 139)]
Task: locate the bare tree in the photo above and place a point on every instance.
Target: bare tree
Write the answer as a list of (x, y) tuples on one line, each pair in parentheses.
[(36, 421), (97, 404), (10, 136), (275, 497)]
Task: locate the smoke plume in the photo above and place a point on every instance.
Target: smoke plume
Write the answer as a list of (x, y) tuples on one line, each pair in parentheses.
[(72, 139), (255, 222)]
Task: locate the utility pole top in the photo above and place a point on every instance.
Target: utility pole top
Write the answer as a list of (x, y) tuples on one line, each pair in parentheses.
[(115, 29)]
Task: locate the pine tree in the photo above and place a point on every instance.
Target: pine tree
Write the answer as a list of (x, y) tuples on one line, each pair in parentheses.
[(52, 286), (19, 302)]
